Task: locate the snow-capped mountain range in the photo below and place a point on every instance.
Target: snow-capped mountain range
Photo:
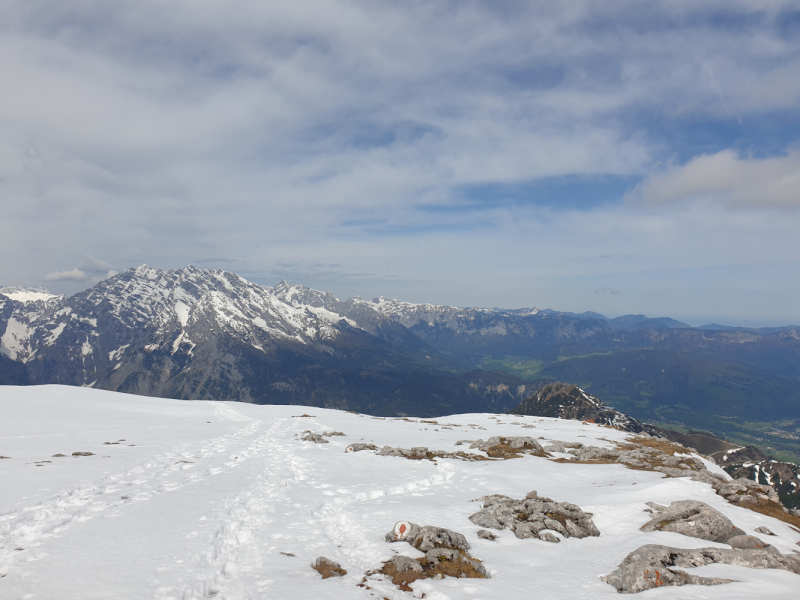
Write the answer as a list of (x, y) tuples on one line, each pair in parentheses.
[(195, 333)]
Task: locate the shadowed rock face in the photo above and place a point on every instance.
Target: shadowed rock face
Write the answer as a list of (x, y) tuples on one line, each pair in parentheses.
[(653, 566), (751, 463), (568, 401), (695, 519), (203, 334)]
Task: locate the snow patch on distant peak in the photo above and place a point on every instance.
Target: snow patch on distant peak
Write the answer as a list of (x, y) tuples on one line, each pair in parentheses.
[(115, 354), (54, 334), (26, 294), (183, 313), (15, 341)]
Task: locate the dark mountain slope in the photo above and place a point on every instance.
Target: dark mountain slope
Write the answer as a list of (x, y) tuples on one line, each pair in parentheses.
[(212, 335)]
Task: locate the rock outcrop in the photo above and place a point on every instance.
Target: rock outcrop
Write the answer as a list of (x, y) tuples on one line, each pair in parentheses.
[(568, 401), (535, 517), (746, 492), (750, 463), (423, 453), (654, 566), (506, 447), (446, 554), (695, 519)]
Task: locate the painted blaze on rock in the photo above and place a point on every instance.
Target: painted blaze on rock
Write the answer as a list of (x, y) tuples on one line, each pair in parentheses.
[(446, 555)]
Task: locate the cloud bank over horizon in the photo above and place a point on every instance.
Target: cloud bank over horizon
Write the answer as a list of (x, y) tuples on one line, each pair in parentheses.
[(616, 157)]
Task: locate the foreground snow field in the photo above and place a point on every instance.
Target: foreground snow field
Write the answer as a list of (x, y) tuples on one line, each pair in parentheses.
[(220, 499)]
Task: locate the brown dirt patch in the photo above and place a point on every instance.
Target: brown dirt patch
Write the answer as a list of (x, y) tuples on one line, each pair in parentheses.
[(445, 568), (663, 445), (503, 451), (773, 510), (302, 416), (327, 570)]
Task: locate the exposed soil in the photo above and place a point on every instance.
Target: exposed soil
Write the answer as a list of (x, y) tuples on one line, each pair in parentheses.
[(444, 568), (327, 569)]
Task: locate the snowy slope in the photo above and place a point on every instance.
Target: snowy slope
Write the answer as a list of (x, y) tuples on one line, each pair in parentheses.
[(201, 499)]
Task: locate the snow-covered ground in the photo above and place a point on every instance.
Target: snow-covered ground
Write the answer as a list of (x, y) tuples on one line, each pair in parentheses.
[(211, 499)]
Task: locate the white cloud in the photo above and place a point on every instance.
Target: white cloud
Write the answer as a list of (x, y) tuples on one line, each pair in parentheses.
[(275, 132), (73, 275), (754, 182)]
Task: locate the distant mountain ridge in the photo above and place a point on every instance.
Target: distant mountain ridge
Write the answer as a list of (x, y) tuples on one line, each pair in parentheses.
[(194, 333)]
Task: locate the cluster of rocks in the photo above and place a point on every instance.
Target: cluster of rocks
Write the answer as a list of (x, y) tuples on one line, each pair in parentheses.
[(423, 453), (746, 492), (641, 456), (506, 447), (653, 566), (446, 554), (647, 454), (535, 517), (318, 438)]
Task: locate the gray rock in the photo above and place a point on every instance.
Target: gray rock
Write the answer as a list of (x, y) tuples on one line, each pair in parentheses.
[(549, 536), (486, 535), (656, 507), (651, 566), (528, 530), (528, 517), (403, 531), (749, 542), (556, 447), (404, 563), (427, 537), (328, 568), (435, 556), (359, 446), (695, 519), (519, 444), (314, 437), (332, 433), (763, 530), (416, 453), (746, 491), (437, 537)]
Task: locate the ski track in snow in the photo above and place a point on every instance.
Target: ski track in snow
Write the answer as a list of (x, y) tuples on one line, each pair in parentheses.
[(234, 567), (28, 527), (234, 560)]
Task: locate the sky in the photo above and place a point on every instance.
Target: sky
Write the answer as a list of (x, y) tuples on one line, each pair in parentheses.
[(615, 156)]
